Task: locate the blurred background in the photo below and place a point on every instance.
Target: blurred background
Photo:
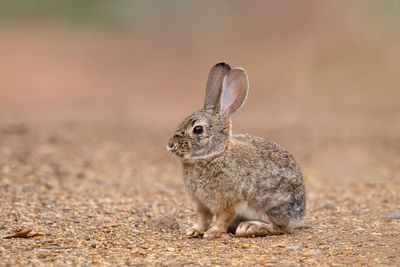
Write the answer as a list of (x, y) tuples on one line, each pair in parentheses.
[(155, 55), (316, 68)]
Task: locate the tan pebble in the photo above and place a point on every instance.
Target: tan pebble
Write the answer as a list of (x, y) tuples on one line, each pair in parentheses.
[(245, 245), (376, 234)]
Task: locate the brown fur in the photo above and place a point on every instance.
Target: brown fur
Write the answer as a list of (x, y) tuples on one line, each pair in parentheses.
[(245, 182)]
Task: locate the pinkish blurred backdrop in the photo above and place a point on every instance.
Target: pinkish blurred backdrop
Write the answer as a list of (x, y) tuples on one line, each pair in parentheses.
[(154, 56)]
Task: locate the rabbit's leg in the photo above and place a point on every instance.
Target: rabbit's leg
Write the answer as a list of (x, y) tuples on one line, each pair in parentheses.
[(223, 218), (256, 228), (204, 217)]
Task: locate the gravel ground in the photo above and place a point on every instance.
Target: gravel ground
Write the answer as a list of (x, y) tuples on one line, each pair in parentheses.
[(100, 191)]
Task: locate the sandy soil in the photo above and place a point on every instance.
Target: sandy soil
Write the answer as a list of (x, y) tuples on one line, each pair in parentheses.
[(103, 191)]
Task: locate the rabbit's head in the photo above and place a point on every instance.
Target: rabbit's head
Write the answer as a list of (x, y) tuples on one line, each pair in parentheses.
[(207, 132)]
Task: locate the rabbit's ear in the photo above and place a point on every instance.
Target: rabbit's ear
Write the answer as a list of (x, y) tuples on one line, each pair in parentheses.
[(214, 84), (234, 91)]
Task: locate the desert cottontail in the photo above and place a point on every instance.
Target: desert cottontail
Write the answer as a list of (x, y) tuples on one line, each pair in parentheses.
[(240, 182)]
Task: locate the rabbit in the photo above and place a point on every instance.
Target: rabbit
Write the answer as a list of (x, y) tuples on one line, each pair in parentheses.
[(239, 182)]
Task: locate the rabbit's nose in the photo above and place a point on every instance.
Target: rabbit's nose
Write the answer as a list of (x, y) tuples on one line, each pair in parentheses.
[(171, 146)]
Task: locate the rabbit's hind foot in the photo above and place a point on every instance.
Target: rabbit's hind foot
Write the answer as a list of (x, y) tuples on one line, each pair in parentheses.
[(256, 229)]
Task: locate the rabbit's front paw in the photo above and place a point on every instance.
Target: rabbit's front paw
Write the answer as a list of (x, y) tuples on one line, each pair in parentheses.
[(194, 233)]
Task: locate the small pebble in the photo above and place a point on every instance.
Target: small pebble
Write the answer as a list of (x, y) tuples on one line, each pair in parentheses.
[(393, 216)]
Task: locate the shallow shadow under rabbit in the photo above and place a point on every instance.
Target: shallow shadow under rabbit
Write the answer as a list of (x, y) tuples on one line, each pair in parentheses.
[(241, 183)]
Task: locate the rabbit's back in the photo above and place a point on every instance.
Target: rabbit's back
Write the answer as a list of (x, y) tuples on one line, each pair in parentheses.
[(274, 180), (266, 159)]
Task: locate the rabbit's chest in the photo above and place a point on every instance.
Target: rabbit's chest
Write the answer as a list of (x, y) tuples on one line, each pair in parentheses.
[(207, 184), (199, 181), (196, 180)]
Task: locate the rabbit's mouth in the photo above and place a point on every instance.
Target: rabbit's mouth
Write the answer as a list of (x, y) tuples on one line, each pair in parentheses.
[(173, 148), (186, 150), (178, 152)]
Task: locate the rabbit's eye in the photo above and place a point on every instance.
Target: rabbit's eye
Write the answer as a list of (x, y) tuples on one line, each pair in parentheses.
[(198, 129)]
